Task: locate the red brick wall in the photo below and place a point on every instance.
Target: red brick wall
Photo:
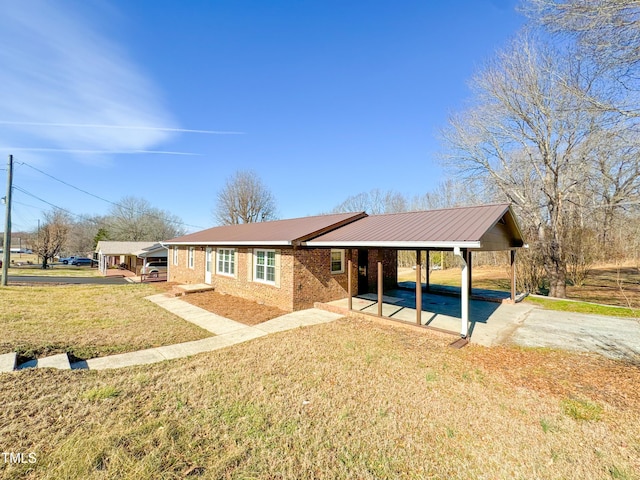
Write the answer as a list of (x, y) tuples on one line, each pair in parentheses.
[(313, 280), (389, 259), (242, 285), (181, 273), (305, 276)]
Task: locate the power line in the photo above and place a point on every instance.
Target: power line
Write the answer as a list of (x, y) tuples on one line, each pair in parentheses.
[(175, 222)]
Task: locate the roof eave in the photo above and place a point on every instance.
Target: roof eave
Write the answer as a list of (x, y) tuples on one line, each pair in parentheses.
[(391, 244), (266, 243)]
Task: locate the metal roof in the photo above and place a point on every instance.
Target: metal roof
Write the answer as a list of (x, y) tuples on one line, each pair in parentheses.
[(478, 227), (277, 232), (108, 247)]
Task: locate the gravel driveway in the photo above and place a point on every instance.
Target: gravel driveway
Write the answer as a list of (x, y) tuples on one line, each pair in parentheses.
[(613, 337)]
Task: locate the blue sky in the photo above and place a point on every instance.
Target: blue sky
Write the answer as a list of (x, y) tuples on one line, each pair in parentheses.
[(323, 99)]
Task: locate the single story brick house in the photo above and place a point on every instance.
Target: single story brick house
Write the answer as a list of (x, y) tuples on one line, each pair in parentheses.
[(293, 263)]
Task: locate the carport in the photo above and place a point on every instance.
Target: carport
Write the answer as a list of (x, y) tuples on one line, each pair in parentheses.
[(462, 230)]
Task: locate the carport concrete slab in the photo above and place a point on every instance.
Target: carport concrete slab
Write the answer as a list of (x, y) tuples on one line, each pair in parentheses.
[(614, 337), (8, 362)]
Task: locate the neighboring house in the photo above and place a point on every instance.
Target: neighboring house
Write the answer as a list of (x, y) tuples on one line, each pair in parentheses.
[(293, 263), (129, 255)]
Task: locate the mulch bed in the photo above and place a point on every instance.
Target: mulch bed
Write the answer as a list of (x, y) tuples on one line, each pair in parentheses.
[(235, 308)]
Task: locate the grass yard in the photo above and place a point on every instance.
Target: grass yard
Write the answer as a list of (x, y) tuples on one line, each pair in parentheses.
[(87, 321), (347, 400), (55, 271)]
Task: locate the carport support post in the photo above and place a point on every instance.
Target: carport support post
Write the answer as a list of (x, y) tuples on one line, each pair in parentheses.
[(513, 275), (349, 286), (418, 287), (427, 267), (380, 289), (464, 291)]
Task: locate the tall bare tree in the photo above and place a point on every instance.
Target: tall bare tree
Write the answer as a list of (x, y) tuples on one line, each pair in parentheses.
[(244, 199), (134, 219), (608, 30), (50, 238), (529, 135), (374, 201)]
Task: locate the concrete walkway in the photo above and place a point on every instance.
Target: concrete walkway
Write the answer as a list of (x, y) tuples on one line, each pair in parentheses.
[(228, 332)]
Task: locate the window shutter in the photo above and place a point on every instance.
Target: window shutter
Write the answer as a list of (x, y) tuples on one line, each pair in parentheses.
[(249, 265), (278, 268)]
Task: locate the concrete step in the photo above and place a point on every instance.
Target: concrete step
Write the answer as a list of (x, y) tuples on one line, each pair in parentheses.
[(59, 361), (8, 362)]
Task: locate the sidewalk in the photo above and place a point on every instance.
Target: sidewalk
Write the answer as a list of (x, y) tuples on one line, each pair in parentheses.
[(228, 332)]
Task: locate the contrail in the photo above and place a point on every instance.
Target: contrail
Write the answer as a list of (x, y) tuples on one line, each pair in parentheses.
[(120, 127), (96, 152)]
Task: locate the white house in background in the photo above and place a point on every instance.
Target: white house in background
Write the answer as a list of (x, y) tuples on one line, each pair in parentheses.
[(128, 255)]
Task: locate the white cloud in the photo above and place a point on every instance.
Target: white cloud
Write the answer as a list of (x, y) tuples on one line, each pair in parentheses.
[(58, 68)]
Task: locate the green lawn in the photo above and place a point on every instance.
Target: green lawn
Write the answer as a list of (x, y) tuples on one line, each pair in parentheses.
[(583, 307), (87, 320), (345, 400)]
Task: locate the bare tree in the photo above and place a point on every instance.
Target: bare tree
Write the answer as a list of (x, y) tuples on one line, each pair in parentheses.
[(374, 201), (50, 238), (244, 199), (529, 135), (134, 219), (608, 30)]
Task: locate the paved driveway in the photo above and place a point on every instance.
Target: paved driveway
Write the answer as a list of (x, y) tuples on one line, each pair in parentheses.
[(613, 337)]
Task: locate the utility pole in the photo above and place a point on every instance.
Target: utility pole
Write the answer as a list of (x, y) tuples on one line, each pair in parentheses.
[(6, 254)]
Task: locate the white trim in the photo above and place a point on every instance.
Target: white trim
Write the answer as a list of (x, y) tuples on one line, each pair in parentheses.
[(341, 252), (268, 243), (255, 266), (232, 261), (175, 253), (391, 244), (191, 257)]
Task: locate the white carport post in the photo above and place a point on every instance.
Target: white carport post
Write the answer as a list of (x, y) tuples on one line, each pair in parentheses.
[(464, 291)]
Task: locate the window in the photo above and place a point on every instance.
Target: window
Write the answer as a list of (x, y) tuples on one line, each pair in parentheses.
[(265, 266), (337, 261), (175, 255), (226, 262), (191, 255)]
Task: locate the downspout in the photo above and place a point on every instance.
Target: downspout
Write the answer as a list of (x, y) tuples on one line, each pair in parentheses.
[(464, 291)]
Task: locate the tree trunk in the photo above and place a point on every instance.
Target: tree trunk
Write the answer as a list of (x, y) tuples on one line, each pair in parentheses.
[(45, 265), (556, 271)]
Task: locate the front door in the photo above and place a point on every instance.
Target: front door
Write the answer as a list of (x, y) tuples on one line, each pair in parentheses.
[(207, 268), (363, 268)]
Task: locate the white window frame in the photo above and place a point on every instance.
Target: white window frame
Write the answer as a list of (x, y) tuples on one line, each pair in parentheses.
[(341, 252), (229, 263), (266, 266), (175, 254), (192, 255)]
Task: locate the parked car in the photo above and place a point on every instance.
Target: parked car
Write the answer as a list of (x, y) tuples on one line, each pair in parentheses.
[(67, 260), (154, 268), (81, 261)]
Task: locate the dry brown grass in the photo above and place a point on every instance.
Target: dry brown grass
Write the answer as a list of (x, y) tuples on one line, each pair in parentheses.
[(235, 308), (87, 320), (350, 399)]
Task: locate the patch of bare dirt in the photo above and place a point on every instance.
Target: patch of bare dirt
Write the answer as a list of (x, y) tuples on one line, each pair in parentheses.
[(235, 308)]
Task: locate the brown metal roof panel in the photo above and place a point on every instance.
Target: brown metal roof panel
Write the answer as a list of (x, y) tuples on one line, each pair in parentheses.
[(283, 231), (445, 225)]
